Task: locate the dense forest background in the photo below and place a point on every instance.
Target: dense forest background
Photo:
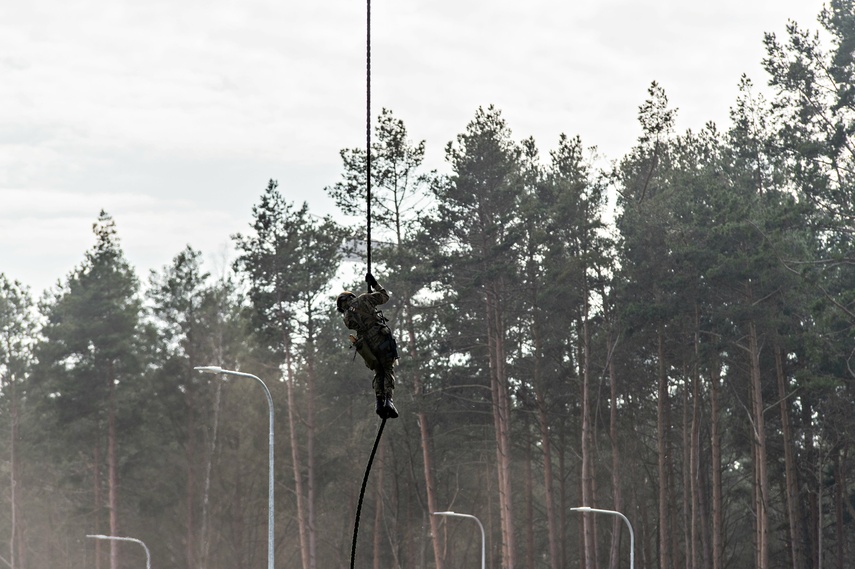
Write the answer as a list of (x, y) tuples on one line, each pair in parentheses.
[(682, 354)]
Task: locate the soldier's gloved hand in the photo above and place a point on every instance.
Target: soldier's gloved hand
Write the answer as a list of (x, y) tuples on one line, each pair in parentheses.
[(372, 282)]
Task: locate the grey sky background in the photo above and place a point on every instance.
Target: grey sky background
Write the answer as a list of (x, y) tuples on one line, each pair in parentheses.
[(172, 116)]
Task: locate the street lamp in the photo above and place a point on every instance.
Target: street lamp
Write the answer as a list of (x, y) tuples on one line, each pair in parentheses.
[(626, 521), (483, 539), (114, 538), (218, 369)]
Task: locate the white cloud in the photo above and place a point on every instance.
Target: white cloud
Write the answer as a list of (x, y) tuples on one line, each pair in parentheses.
[(173, 115), (46, 233)]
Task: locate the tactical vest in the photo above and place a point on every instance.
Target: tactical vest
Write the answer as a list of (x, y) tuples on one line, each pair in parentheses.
[(372, 330)]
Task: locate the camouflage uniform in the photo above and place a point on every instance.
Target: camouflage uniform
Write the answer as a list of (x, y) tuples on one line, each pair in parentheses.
[(374, 340)]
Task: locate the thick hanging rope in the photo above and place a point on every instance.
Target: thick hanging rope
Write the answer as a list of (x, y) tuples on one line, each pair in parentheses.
[(368, 135), (362, 492), (368, 254)]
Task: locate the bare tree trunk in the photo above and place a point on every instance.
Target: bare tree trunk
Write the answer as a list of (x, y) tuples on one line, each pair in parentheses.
[(190, 498), (529, 506), (811, 513), (676, 550), (99, 500), (562, 493), (760, 476), (13, 478), (112, 478), (820, 515), (205, 545), (545, 445), (696, 486), (583, 550), (595, 454), (695, 448), (549, 492), (687, 482), (430, 485), (491, 503), (310, 440), (505, 449), (645, 534), (205, 542), (542, 411), (662, 450), (617, 501), (839, 491), (501, 420), (704, 513), (791, 484), (295, 459), (424, 434), (715, 467), (590, 546)]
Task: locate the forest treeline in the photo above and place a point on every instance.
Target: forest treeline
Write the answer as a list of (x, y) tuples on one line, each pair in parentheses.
[(684, 357)]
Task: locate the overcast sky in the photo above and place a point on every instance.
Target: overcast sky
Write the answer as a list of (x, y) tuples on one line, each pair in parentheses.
[(173, 115)]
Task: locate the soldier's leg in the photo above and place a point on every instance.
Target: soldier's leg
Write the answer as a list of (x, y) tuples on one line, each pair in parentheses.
[(379, 391), (389, 388), (389, 377)]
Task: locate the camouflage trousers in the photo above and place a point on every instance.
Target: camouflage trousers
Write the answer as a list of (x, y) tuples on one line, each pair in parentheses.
[(384, 378), (384, 369)]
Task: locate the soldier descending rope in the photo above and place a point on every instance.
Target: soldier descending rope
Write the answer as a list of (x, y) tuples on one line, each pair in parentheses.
[(373, 341)]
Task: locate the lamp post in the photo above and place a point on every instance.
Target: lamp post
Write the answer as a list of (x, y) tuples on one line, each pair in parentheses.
[(483, 539), (114, 538), (584, 509), (217, 369)]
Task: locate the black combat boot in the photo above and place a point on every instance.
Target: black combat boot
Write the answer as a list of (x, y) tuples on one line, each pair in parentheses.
[(381, 407), (389, 406)]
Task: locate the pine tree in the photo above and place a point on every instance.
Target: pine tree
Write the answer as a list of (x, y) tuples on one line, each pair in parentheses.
[(289, 262), (89, 364), (477, 212), (17, 332), (645, 262), (398, 200), (184, 317)]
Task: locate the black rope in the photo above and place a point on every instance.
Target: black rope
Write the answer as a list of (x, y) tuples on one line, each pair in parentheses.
[(362, 492), (368, 133), (368, 252)]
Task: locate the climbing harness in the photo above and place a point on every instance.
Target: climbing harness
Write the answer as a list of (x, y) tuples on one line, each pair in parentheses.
[(368, 250), (379, 342)]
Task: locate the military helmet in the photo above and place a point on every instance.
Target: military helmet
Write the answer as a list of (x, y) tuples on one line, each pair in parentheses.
[(343, 299)]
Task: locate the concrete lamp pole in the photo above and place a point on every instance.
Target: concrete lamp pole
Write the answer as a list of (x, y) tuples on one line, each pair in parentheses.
[(483, 538), (114, 538), (584, 509), (217, 369)]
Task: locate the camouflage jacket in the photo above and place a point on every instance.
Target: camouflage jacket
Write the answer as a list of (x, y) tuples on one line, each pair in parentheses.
[(362, 315)]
